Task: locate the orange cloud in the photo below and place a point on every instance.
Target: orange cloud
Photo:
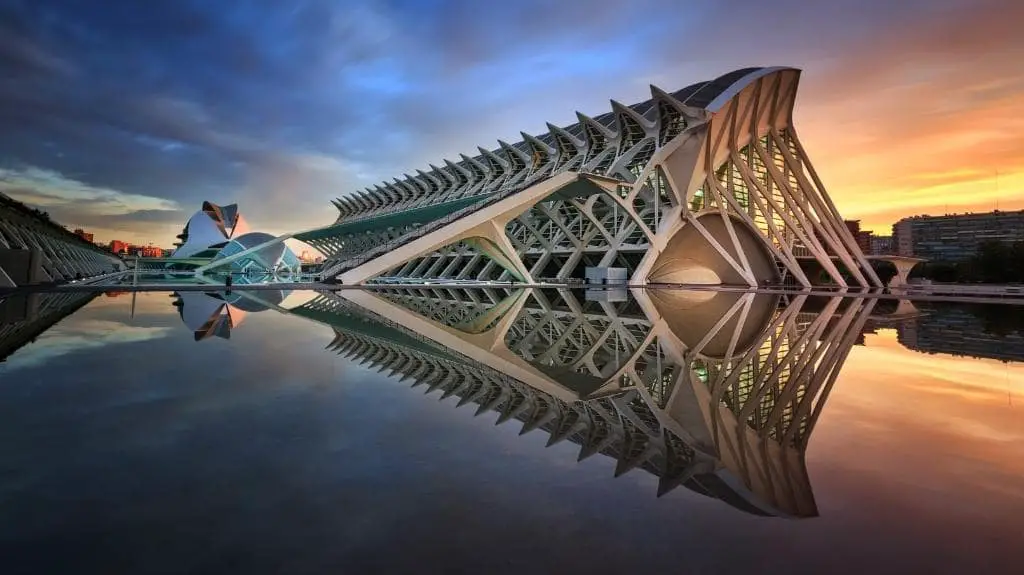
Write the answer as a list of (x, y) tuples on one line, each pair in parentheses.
[(923, 119)]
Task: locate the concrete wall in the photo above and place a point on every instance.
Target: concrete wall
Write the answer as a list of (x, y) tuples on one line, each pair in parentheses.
[(22, 266), (19, 308)]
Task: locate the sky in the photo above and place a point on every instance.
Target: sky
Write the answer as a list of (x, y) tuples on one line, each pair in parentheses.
[(121, 117)]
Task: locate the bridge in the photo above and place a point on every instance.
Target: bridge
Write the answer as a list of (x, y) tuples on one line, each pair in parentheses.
[(708, 184), (35, 250)]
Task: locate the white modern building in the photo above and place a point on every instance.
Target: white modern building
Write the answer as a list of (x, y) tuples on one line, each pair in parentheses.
[(211, 225), (708, 184), (215, 233)]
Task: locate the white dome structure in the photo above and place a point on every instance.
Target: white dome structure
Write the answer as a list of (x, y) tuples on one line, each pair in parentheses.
[(209, 314), (269, 258), (218, 232)]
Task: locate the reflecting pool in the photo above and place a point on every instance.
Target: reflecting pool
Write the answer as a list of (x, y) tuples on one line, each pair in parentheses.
[(508, 431)]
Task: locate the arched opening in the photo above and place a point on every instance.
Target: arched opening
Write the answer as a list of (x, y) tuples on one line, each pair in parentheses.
[(690, 259), (693, 315)]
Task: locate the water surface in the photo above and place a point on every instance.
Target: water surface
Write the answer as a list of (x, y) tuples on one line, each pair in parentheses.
[(508, 432)]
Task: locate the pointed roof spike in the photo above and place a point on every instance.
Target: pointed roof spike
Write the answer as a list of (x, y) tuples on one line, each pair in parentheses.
[(391, 191), (565, 134), (418, 184), (373, 196), (485, 152), (666, 485), (631, 114), (540, 416), (388, 193), (506, 146), (475, 167), (364, 199), (483, 408), (494, 158), (690, 112), (588, 448), (455, 166), (462, 175), (587, 120), (533, 141), (431, 180), (446, 178), (400, 189)]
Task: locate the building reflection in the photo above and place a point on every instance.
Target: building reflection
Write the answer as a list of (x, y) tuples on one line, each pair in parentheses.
[(216, 314), (715, 392), (26, 316), (991, 332)]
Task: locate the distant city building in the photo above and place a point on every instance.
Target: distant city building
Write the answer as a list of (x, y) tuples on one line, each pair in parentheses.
[(307, 257), (863, 238), (132, 250), (957, 331), (881, 245), (145, 251), (84, 235), (903, 238), (119, 247), (955, 237)]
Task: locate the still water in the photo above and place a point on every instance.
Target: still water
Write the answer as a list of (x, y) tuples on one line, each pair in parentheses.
[(498, 431)]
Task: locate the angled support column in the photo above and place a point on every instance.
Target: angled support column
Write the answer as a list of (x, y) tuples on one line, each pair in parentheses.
[(491, 241)]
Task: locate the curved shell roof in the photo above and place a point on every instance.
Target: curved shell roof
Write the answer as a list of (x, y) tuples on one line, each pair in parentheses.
[(201, 232), (267, 257), (210, 226)]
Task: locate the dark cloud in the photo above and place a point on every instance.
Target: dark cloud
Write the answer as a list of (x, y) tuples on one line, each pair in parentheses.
[(281, 106), (137, 223)]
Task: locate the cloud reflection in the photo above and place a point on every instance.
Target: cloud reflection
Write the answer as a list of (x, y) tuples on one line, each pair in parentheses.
[(79, 337)]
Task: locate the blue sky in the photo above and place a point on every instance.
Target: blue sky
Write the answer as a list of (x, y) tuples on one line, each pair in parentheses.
[(123, 116)]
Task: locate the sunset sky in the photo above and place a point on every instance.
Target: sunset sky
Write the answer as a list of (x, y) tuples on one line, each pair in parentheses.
[(122, 116)]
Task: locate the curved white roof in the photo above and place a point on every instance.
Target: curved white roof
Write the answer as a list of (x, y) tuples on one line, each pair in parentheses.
[(210, 226), (267, 257), (202, 232)]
